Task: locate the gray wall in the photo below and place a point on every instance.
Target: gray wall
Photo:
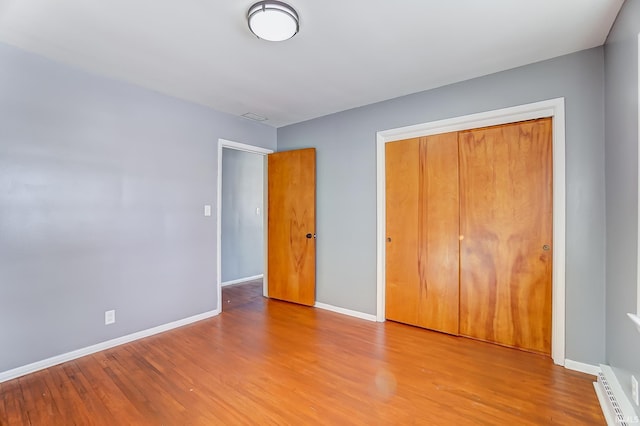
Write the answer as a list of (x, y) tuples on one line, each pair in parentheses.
[(242, 228), (621, 106), (346, 182), (102, 187)]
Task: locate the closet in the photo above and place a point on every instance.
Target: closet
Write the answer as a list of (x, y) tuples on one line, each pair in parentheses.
[(469, 233)]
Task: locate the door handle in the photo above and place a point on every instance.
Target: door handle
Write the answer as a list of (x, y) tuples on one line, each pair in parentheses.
[(311, 235)]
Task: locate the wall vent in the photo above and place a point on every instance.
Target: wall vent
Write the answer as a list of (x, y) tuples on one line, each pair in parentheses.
[(615, 405), (611, 401)]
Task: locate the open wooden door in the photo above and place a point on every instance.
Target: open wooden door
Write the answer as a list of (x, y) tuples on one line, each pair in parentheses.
[(291, 263)]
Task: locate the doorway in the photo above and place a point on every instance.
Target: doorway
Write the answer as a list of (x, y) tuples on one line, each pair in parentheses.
[(241, 213)]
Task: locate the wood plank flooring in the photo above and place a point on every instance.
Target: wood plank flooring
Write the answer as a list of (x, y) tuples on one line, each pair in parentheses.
[(237, 295), (273, 363)]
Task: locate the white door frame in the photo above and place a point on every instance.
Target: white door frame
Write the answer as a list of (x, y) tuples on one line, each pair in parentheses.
[(223, 143), (550, 108)]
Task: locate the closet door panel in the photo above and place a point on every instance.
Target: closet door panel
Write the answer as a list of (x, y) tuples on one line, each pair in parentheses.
[(402, 186), (506, 220), (422, 232)]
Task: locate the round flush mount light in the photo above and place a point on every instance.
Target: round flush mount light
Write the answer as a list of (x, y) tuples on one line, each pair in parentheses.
[(273, 20)]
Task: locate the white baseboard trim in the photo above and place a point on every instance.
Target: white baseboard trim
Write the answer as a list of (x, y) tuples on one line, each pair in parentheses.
[(343, 311), (69, 356), (581, 367), (241, 280)]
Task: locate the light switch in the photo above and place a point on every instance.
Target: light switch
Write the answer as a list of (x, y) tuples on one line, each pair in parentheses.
[(257, 211), (207, 210)]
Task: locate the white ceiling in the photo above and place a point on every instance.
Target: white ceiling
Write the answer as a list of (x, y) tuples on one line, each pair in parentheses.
[(348, 53)]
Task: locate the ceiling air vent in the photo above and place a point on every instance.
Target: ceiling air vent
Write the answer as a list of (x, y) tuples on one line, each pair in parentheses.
[(254, 117)]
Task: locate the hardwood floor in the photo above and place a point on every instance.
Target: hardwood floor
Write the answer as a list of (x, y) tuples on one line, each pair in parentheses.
[(270, 362), (238, 295)]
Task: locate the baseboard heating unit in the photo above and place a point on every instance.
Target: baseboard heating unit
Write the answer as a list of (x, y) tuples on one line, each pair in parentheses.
[(615, 405)]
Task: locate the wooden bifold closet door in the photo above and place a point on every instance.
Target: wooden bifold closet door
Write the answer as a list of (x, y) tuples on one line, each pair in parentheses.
[(469, 233), (506, 218), (422, 232)]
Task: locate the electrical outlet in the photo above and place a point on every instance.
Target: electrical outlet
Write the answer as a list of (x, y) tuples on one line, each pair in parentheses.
[(109, 317), (634, 391)]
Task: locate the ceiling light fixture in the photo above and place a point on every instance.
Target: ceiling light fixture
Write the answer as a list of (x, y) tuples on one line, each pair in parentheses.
[(273, 20)]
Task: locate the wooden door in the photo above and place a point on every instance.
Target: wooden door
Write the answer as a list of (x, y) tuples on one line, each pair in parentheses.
[(506, 221), (291, 263), (422, 223)]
